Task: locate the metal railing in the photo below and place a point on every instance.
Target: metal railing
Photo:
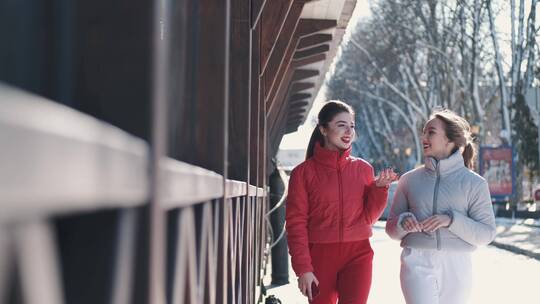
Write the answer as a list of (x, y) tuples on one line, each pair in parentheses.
[(61, 170)]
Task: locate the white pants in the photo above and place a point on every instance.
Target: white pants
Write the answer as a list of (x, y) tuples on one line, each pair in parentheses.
[(435, 277)]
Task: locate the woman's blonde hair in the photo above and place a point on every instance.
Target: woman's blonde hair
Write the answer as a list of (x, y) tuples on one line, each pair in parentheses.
[(458, 131)]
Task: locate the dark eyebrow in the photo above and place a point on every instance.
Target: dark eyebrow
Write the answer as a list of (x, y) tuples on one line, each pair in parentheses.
[(341, 121)]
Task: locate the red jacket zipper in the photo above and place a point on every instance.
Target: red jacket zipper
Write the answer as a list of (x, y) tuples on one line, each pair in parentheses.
[(340, 202)]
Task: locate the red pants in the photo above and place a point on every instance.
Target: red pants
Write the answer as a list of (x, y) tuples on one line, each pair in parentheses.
[(343, 271)]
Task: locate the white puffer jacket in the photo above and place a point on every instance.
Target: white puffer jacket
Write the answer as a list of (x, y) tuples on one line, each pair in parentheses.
[(443, 187)]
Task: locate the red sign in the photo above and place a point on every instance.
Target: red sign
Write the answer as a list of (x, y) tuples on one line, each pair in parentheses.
[(537, 195), (496, 167)]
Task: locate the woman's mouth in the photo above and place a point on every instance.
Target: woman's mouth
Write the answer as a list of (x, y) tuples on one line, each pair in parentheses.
[(346, 140), (426, 146)]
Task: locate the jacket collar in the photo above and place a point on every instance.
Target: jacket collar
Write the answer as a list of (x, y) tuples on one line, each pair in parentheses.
[(447, 165), (330, 158)]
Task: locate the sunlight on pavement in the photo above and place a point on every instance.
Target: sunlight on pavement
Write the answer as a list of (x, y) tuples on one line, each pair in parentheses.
[(499, 276)]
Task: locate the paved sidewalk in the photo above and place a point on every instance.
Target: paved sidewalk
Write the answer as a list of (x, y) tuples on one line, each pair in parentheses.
[(519, 236), (513, 272)]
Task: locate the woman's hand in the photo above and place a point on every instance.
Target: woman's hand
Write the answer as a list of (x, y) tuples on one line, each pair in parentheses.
[(435, 222), (385, 178), (304, 283), (410, 224)]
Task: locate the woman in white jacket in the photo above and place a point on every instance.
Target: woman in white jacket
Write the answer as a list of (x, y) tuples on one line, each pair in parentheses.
[(440, 213)]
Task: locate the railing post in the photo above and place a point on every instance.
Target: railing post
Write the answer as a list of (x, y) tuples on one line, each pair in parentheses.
[(280, 261)]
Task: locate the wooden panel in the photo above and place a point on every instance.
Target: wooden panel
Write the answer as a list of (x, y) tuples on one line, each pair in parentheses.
[(281, 55), (181, 68), (301, 74), (278, 22), (311, 51), (314, 40), (240, 92), (278, 106), (257, 7), (273, 84), (210, 147), (257, 107), (112, 62)]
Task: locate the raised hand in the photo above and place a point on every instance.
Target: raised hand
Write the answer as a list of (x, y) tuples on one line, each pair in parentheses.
[(386, 177)]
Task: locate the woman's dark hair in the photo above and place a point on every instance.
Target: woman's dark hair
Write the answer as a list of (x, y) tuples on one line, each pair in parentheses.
[(327, 113), (458, 131)]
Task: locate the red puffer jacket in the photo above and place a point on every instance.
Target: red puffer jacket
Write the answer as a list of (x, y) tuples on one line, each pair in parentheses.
[(331, 199)]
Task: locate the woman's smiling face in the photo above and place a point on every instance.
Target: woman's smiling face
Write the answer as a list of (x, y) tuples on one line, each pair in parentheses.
[(339, 132), (434, 140)]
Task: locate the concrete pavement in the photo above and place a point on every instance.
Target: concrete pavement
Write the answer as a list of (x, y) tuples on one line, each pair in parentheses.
[(500, 276), (519, 236)]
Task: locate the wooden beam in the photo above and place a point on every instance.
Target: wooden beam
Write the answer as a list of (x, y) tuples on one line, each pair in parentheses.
[(300, 86), (311, 26), (278, 23), (295, 117), (257, 107), (299, 97), (311, 51), (294, 112), (257, 7), (313, 40), (276, 112), (276, 85), (295, 122), (308, 60), (282, 53), (301, 74), (291, 129), (296, 105)]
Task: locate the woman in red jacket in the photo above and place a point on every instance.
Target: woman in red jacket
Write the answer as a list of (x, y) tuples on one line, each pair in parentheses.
[(333, 200)]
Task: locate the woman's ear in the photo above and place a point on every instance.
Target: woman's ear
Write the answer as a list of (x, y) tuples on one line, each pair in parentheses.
[(322, 130)]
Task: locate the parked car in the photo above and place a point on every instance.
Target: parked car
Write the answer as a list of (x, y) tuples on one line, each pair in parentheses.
[(391, 191)]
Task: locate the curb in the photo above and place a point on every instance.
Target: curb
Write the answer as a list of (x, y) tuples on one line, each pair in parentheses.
[(516, 250)]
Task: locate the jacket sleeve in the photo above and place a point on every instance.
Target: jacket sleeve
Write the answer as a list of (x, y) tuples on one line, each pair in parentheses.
[(478, 226), (398, 211), (374, 199), (297, 223)]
